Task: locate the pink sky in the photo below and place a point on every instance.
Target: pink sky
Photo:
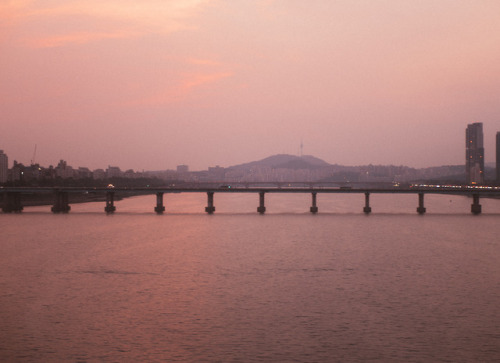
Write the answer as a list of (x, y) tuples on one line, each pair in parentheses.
[(154, 84)]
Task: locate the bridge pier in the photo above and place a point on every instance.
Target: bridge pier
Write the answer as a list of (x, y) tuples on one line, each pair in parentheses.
[(159, 209), (12, 202), (261, 208), (367, 209), (475, 207), (314, 208), (61, 204), (421, 209), (210, 209), (110, 202)]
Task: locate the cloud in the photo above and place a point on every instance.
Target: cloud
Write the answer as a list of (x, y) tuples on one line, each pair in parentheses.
[(187, 85), (62, 22), (203, 62), (11, 11), (197, 80), (76, 38)]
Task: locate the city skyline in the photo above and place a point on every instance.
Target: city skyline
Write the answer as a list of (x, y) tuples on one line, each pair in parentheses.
[(203, 82), (474, 161), (274, 168), (474, 134), (34, 160)]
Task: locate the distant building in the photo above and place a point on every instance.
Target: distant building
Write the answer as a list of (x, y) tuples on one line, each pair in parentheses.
[(4, 167), (32, 172), (113, 172), (99, 174), (474, 154), (16, 172), (83, 172), (182, 168), (216, 173), (63, 170), (498, 157), (131, 174)]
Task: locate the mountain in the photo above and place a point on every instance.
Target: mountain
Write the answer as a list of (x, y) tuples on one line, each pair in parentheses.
[(307, 168), (284, 167), (285, 161)]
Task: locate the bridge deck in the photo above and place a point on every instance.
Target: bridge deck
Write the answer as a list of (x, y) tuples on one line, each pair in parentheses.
[(482, 191), (13, 201)]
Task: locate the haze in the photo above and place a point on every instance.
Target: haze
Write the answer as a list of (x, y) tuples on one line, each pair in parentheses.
[(154, 84)]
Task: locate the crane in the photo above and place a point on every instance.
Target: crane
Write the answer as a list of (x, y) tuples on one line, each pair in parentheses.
[(34, 155)]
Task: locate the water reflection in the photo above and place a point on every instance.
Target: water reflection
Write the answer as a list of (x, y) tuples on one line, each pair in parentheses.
[(238, 286)]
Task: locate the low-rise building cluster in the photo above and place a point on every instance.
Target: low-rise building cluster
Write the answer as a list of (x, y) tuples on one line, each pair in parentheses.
[(20, 173)]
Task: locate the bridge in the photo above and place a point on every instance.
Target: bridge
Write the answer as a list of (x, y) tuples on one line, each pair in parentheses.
[(13, 196)]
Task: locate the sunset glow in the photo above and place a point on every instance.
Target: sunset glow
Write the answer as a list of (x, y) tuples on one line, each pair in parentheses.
[(154, 84)]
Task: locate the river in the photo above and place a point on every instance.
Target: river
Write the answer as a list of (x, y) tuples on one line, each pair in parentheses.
[(236, 286)]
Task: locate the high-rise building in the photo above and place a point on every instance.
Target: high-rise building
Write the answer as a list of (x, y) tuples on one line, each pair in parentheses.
[(4, 167), (474, 153), (498, 157)]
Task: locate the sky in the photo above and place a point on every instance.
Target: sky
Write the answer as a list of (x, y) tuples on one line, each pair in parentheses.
[(152, 84)]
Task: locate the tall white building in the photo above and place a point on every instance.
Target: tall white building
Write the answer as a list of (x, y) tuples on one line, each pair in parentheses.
[(4, 167)]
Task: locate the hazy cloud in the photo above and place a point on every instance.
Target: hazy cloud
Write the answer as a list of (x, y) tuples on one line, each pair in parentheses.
[(103, 19)]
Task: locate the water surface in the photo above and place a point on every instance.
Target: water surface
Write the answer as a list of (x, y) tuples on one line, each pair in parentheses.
[(240, 287)]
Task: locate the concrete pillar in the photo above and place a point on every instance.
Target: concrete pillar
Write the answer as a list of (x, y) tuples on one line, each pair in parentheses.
[(367, 209), (210, 209), (475, 207), (421, 209), (261, 208), (12, 202), (314, 208), (159, 203), (110, 202), (61, 204)]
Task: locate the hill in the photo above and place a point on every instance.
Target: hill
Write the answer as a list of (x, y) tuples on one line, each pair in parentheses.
[(285, 161)]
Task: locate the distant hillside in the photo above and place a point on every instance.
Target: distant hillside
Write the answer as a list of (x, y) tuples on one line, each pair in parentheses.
[(307, 168), (284, 161)]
